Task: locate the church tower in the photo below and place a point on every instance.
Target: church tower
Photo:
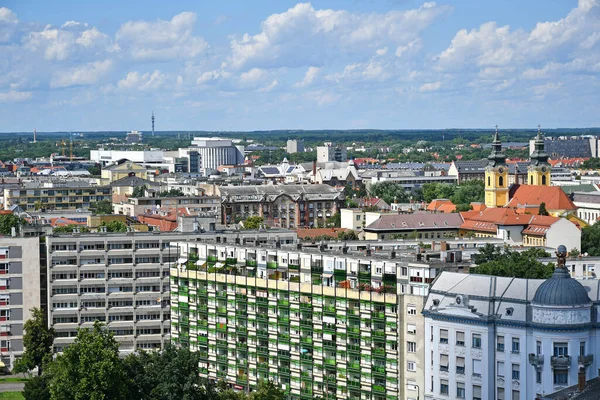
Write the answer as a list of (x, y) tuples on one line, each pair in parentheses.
[(538, 172), (496, 176)]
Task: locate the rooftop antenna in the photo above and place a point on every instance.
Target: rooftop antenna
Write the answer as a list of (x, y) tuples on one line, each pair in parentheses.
[(152, 123)]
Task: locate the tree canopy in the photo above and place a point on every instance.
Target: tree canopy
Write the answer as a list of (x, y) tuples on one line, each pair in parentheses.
[(590, 240), (101, 207), (37, 340), (461, 195), (9, 221), (492, 260), (114, 226), (70, 228), (171, 193), (253, 222), (389, 191)]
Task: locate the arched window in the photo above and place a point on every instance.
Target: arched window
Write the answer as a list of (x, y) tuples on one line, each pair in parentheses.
[(531, 180), (543, 179), (501, 181), (489, 181)]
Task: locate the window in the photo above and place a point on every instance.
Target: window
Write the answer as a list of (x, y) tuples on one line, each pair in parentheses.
[(516, 373), (538, 376), (444, 386), (460, 338), (404, 271), (358, 217), (582, 348), (476, 341), (500, 369), (501, 181), (460, 365), (444, 362), (543, 179), (411, 347), (500, 343), (412, 329), (561, 349), (515, 345), (516, 395), (561, 377), (476, 392), (500, 394), (538, 347), (477, 367), (412, 310), (460, 390), (444, 336), (411, 366), (489, 181)]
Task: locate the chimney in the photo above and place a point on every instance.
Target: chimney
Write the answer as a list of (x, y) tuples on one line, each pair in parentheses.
[(393, 254), (314, 169), (443, 246), (581, 379), (344, 249), (432, 245)]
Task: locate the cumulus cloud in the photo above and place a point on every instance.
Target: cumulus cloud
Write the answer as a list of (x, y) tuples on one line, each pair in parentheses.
[(430, 87), (309, 77), (87, 74), (147, 81), (304, 36), (7, 15), (161, 40), (14, 96)]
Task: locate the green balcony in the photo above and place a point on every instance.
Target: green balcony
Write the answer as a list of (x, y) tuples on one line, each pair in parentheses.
[(305, 306), (378, 388), (378, 351), (316, 269), (329, 309), (355, 365), (379, 333), (293, 267), (306, 340), (264, 367), (378, 315), (283, 303), (272, 265), (329, 361), (251, 263), (378, 370), (231, 261), (222, 310), (211, 258)]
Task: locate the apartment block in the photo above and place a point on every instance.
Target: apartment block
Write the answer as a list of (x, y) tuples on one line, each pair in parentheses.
[(19, 292), (319, 323), (61, 195)]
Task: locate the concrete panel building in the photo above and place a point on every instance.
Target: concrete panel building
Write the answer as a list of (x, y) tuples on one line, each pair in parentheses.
[(19, 292)]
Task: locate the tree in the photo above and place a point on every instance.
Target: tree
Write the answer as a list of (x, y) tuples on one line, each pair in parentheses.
[(139, 191), (267, 390), (37, 340), (487, 253), (590, 240), (9, 221), (70, 228), (172, 193), (101, 207), (542, 210), (95, 169), (514, 264), (574, 253), (253, 222), (89, 368), (347, 235), (389, 191), (114, 226), (37, 388), (335, 221)]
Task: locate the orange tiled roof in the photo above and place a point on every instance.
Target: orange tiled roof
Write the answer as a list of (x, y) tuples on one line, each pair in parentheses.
[(533, 195), (441, 205)]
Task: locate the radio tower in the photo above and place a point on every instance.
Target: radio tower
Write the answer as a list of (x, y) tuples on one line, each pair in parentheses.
[(152, 123), (34, 136)]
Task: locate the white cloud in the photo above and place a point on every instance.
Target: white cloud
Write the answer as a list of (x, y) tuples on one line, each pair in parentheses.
[(147, 81), (14, 96), (309, 77), (91, 37), (161, 40), (6, 15), (269, 87), (87, 74), (430, 87), (323, 98), (542, 90), (411, 47), (304, 36)]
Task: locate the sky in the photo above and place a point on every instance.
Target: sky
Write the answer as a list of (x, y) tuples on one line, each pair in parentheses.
[(71, 65)]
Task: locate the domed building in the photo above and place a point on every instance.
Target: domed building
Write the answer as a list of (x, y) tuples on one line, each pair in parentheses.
[(509, 338)]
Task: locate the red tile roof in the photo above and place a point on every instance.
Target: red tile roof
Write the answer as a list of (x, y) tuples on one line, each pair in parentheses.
[(533, 195), (441, 205)]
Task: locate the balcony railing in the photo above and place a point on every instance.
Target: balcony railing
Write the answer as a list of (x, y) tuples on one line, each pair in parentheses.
[(560, 362), (537, 360)]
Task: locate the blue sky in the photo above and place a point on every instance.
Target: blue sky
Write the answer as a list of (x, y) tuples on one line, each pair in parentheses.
[(249, 65)]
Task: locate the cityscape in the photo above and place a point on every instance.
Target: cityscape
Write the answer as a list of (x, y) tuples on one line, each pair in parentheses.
[(303, 210)]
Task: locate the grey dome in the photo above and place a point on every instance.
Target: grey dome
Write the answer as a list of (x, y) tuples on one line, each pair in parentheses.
[(561, 290)]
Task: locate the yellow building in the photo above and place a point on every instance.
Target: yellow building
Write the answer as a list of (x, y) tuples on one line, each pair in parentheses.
[(496, 176), (123, 169), (538, 172)]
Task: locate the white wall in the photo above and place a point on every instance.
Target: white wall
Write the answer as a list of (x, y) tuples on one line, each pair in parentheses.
[(564, 232)]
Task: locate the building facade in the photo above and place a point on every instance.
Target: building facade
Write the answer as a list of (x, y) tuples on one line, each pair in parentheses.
[(214, 152), (55, 195), (286, 206), (505, 338), (20, 291), (295, 146), (135, 206), (331, 153), (317, 323)]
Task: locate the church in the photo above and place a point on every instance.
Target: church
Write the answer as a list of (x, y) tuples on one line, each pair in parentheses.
[(525, 198)]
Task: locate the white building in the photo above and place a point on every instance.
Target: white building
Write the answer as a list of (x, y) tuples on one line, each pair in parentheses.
[(331, 153), (507, 338), (105, 157), (214, 152), (19, 292), (588, 206), (295, 146)]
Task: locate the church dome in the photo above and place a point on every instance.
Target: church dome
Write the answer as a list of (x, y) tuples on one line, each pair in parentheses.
[(561, 290)]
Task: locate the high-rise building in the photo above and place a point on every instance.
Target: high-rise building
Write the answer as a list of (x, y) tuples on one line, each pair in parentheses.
[(331, 153), (214, 152), (295, 146), (56, 195), (318, 323), (19, 292)]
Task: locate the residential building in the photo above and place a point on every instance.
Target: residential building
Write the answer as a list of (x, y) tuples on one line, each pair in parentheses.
[(286, 206), (106, 157), (356, 219), (441, 205), (508, 338), (213, 152), (55, 195), (134, 206), (20, 291), (528, 198), (122, 169), (304, 319), (339, 177), (569, 146), (295, 146), (134, 137), (421, 225), (331, 152), (373, 203), (282, 173), (588, 206), (409, 180)]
